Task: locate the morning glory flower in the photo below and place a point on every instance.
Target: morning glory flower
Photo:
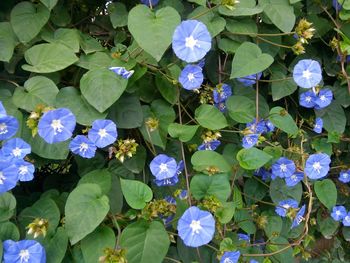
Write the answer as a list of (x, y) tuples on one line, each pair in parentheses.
[(256, 127), (103, 133), (56, 125), (165, 170), (269, 126), (284, 205), (196, 227), (317, 165), (307, 73), (24, 251), (82, 146), (211, 145), (344, 176), (250, 140), (191, 77), (8, 176), (249, 80), (25, 170), (150, 3), (16, 148), (294, 179), (346, 220), (121, 71), (299, 217), (221, 93), (323, 99), (263, 173), (191, 41), (308, 99), (8, 127), (243, 237), (318, 125), (230, 257), (338, 213), (282, 168)]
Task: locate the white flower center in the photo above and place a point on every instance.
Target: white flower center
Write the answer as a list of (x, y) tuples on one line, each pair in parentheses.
[(323, 98), (286, 206), (345, 175), (317, 167), (56, 126), (191, 42), (24, 255), (2, 178), (283, 167), (195, 226), (102, 133), (308, 99), (190, 77), (163, 167), (83, 147), (347, 218), (23, 170), (338, 213), (3, 128), (228, 260), (294, 177), (306, 74), (17, 152)]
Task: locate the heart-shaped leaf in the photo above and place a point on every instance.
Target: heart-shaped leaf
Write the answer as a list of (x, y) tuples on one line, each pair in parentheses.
[(153, 31), (249, 60), (136, 193)]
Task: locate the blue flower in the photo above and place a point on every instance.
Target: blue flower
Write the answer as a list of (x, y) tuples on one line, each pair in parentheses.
[(263, 173), (323, 99), (82, 146), (8, 127), (168, 181), (191, 41), (346, 220), (180, 167), (336, 5), (8, 176), (211, 145), (344, 176), (338, 213), (243, 237), (230, 257), (269, 126), (250, 140), (24, 251), (121, 71), (191, 77), (249, 80), (16, 148), (2, 110), (257, 127), (294, 179), (317, 165), (308, 99), (318, 125), (196, 227), (150, 3), (221, 106), (299, 217), (165, 170), (56, 125), (201, 63), (221, 93), (25, 170), (282, 168), (253, 261), (182, 194), (307, 73), (103, 133), (284, 206)]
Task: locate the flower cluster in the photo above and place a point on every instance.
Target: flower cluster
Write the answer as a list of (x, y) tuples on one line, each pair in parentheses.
[(339, 213), (220, 94), (253, 131), (288, 208), (316, 99), (303, 33)]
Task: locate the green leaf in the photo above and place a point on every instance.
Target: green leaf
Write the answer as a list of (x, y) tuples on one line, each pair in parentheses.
[(68, 37), (28, 19), (326, 224), (241, 109), (115, 196), (49, 3), (326, 192), (137, 162), (202, 161), (70, 97), (273, 227), (85, 209), (281, 89), (9, 230), (245, 26), (243, 8), (210, 117), (37, 90), (166, 88), (136, 193), (101, 88), (333, 117), (7, 41), (145, 242), (245, 221), (280, 12), (56, 246), (282, 120), (155, 33), (249, 60), (118, 14), (253, 158), (93, 245), (7, 206), (285, 256), (97, 60), (100, 177), (226, 212), (255, 190), (47, 58), (216, 185), (183, 132), (280, 191)]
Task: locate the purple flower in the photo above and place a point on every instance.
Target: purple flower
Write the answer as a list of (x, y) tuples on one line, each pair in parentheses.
[(191, 77), (308, 99), (221, 93), (284, 206), (307, 73), (299, 217), (121, 71), (103, 133), (257, 127), (211, 145), (250, 140), (24, 251), (230, 257), (282, 168), (82, 146), (346, 220), (250, 80), (25, 170), (317, 166), (196, 227), (338, 213), (165, 170), (16, 148), (344, 176), (323, 99), (294, 179), (318, 125)]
